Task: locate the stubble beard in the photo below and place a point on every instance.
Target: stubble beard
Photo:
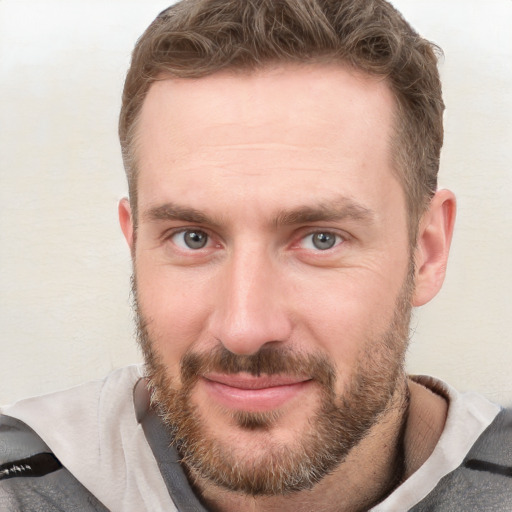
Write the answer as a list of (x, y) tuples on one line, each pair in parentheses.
[(333, 430)]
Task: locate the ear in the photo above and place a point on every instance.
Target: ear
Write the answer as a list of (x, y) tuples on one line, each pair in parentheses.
[(126, 222), (433, 245)]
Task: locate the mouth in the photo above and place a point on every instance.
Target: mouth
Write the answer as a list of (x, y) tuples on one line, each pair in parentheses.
[(254, 393)]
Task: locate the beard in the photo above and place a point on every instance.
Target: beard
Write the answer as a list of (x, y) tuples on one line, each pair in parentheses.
[(339, 423)]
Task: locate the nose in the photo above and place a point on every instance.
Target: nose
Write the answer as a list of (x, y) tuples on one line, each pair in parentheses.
[(251, 310)]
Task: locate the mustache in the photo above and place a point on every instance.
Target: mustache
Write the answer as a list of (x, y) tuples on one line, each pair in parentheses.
[(267, 361)]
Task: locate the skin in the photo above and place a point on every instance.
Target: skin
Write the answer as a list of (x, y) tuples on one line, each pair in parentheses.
[(260, 162)]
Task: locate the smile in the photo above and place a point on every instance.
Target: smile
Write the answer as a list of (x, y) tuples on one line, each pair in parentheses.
[(254, 394)]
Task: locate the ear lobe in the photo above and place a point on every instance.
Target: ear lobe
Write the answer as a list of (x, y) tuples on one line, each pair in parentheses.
[(126, 222), (433, 245)]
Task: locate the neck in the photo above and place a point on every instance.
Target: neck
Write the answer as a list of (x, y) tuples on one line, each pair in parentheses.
[(371, 471), (425, 424)]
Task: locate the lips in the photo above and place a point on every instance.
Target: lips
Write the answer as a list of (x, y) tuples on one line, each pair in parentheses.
[(254, 394)]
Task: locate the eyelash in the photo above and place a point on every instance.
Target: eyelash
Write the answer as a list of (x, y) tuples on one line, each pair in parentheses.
[(339, 239)]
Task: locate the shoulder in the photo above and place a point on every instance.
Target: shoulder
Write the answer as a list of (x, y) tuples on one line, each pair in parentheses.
[(45, 464), (492, 453), (92, 430), (31, 476), (484, 479)]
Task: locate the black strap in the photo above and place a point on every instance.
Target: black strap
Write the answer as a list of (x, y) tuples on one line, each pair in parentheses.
[(489, 467), (37, 465)]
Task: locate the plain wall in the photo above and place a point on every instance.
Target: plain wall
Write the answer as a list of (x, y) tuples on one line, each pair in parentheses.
[(64, 269)]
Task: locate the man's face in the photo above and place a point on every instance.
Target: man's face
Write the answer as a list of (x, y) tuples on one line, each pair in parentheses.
[(272, 268)]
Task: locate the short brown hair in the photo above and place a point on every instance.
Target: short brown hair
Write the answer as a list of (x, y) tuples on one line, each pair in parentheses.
[(195, 38)]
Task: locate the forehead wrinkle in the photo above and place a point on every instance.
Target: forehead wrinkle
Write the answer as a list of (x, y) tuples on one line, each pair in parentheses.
[(336, 210)]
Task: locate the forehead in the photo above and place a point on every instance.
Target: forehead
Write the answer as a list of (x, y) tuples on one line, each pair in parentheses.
[(328, 94), (295, 126)]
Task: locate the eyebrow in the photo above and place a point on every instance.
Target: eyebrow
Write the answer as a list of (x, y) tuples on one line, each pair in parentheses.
[(172, 211), (330, 211)]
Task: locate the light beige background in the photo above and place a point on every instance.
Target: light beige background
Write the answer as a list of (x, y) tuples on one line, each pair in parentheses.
[(64, 269)]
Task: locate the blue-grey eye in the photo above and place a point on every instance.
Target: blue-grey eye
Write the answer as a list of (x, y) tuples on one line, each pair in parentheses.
[(321, 241), (191, 239)]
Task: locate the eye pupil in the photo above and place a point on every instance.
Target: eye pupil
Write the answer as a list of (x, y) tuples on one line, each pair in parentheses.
[(324, 241), (195, 239)]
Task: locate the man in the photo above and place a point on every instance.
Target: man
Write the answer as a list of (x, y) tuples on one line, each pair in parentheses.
[(283, 220)]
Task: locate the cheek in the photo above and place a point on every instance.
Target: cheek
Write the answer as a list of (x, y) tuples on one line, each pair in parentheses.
[(174, 308), (348, 314)]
